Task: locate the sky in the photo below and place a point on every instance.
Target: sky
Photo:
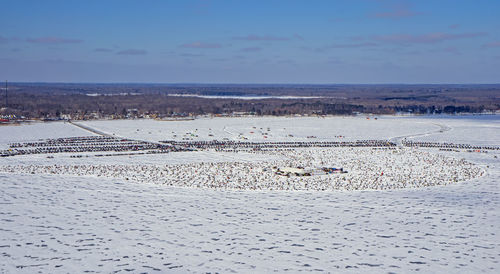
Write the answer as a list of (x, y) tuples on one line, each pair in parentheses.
[(270, 41)]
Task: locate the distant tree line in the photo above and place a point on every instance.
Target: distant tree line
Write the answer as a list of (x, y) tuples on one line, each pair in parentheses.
[(87, 101)]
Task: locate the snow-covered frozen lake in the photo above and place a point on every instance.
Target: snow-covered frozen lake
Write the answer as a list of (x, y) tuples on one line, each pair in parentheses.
[(60, 223), (266, 128)]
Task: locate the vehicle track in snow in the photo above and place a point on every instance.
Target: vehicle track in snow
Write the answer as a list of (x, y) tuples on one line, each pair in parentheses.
[(442, 128)]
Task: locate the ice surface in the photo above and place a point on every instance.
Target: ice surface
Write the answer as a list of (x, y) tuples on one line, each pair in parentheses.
[(480, 130), (56, 224), (38, 130), (266, 128), (60, 224), (367, 168), (144, 159)]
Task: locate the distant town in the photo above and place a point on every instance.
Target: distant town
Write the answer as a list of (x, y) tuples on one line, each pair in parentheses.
[(46, 101)]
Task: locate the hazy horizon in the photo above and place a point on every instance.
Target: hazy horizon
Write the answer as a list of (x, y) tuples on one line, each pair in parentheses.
[(255, 84)]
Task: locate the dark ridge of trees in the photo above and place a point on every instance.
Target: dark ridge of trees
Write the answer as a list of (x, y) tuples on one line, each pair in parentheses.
[(122, 100)]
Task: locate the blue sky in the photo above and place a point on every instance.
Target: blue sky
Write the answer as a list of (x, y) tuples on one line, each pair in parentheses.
[(205, 41)]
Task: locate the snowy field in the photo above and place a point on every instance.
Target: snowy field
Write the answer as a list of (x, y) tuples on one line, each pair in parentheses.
[(263, 129), (63, 223), (479, 130), (36, 131)]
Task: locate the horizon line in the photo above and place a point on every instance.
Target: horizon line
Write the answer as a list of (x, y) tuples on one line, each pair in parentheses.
[(235, 83)]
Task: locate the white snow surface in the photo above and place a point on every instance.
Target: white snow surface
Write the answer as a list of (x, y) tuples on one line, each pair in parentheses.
[(280, 128), (38, 130), (479, 130), (60, 223)]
